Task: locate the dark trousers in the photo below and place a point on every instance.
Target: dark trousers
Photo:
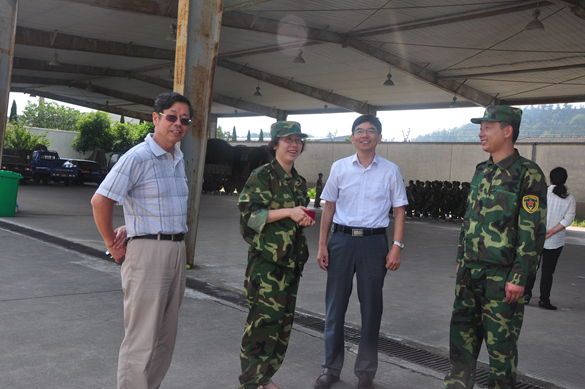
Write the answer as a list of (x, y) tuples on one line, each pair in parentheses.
[(365, 257), (318, 198), (548, 264)]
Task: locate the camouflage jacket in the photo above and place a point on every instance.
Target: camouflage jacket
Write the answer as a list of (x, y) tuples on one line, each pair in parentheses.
[(505, 220), (283, 241)]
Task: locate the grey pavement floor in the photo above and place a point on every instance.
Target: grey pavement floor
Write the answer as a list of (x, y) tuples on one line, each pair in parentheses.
[(61, 312)]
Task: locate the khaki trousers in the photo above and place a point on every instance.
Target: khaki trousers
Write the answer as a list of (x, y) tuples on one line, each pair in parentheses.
[(153, 280)]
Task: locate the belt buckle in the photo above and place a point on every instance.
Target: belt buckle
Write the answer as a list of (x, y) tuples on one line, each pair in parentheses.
[(173, 237), (357, 232)]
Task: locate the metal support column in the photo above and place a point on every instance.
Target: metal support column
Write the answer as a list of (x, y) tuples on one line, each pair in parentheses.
[(8, 11), (198, 30)]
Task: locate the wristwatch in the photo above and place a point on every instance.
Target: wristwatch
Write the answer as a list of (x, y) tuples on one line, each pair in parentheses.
[(399, 244)]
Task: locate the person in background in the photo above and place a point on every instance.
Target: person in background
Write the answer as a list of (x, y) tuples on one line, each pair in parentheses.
[(561, 208), (272, 206), (318, 191)]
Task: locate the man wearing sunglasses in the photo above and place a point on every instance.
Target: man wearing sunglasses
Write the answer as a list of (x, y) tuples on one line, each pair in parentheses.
[(150, 182), (358, 195)]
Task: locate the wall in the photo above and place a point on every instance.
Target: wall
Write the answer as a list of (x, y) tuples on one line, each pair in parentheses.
[(62, 142), (445, 161), (417, 160)]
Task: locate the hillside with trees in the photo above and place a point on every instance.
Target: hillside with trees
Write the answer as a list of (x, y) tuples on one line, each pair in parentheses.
[(537, 121)]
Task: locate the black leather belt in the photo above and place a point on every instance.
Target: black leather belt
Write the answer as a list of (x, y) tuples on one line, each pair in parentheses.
[(173, 237), (359, 231)]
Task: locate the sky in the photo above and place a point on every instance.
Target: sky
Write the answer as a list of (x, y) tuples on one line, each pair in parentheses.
[(395, 124)]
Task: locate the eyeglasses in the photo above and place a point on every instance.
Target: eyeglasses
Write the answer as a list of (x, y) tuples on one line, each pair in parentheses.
[(369, 132), (173, 118), (290, 141)]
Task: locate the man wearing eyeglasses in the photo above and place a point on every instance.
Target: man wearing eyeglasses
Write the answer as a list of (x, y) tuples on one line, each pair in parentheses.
[(150, 182), (358, 195)]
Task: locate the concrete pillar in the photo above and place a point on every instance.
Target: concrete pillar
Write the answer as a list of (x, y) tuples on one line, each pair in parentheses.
[(281, 116), (198, 30), (212, 127), (8, 11)]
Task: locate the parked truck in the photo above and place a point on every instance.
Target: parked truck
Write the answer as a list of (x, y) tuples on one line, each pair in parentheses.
[(47, 166), (229, 167)]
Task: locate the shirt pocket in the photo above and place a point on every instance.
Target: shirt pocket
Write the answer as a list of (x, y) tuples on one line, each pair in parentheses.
[(380, 194)]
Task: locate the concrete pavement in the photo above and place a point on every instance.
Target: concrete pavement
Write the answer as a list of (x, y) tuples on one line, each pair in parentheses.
[(61, 317)]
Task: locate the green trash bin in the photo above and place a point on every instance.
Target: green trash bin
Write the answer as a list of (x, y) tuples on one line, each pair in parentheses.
[(8, 191)]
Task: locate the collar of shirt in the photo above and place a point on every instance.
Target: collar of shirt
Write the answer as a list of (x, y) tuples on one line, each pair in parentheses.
[(508, 161), (355, 160), (158, 151), (282, 175)]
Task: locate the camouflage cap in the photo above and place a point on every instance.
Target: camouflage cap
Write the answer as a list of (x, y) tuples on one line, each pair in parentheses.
[(281, 129), (500, 113)]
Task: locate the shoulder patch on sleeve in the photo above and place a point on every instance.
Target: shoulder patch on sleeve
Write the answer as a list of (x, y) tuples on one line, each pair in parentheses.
[(530, 203)]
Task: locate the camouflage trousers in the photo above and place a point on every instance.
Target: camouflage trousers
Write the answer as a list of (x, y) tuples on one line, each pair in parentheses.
[(271, 291), (480, 312)]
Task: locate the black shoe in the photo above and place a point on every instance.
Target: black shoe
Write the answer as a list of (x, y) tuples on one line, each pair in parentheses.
[(325, 380), (547, 305), (365, 381), (527, 299)]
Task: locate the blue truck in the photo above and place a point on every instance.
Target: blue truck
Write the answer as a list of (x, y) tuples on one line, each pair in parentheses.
[(47, 166)]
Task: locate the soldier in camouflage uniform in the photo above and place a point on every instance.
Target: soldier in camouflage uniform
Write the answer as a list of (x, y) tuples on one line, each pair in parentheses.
[(501, 239), (273, 205)]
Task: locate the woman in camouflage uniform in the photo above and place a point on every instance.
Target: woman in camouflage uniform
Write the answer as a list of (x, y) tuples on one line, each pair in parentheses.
[(273, 205)]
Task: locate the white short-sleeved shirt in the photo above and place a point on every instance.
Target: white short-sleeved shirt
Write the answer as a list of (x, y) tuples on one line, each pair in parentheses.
[(363, 196), (558, 210), (152, 187)]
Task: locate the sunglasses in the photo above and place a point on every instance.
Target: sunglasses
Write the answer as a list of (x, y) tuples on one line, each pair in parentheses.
[(173, 118)]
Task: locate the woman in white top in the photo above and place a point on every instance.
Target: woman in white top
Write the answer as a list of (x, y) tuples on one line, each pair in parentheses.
[(560, 214)]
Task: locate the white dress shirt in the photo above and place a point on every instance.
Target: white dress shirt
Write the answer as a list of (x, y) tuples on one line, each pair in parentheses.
[(558, 210), (152, 187), (363, 196)]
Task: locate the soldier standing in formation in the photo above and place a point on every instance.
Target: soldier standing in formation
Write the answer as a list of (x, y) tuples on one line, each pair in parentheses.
[(272, 206), (501, 238)]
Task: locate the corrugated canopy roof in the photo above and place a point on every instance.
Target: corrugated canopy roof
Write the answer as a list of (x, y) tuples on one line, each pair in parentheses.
[(115, 56)]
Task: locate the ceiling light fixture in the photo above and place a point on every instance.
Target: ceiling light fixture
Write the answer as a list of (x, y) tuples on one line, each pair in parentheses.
[(535, 24), (173, 34), (257, 93), (299, 58), (454, 103), (389, 81), (55, 60)]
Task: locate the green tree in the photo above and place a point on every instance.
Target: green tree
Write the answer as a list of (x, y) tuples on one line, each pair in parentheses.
[(19, 137), (261, 136), (127, 135), (94, 133), (248, 138), (13, 116), (50, 115), (220, 133), (234, 135)]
